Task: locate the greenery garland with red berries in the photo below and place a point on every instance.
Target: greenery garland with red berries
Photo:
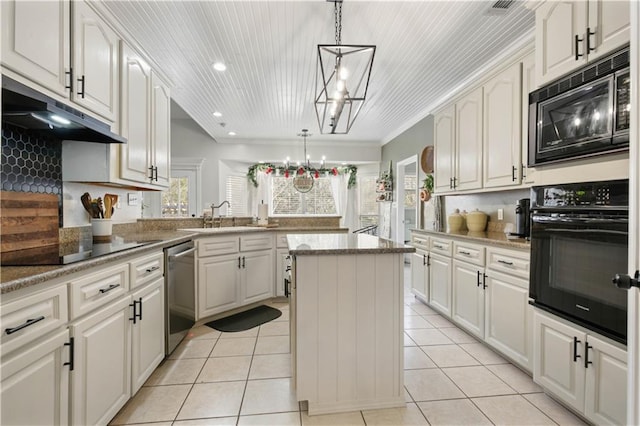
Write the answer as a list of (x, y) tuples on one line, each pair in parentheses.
[(293, 170)]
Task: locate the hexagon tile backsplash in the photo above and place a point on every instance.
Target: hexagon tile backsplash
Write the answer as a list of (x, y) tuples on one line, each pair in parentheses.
[(30, 162)]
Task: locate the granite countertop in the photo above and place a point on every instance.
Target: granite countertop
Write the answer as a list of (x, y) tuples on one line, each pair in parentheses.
[(16, 277), (494, 238), (313, 244)]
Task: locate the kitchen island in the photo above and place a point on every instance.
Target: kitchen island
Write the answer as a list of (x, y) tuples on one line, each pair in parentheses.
[(346, 321)]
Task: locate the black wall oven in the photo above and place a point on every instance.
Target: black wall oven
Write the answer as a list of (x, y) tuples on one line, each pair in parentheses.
[(579, 241), (583, 114)]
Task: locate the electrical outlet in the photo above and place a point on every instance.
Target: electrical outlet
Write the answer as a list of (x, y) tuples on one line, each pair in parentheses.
[(500, 214), (132, 198)]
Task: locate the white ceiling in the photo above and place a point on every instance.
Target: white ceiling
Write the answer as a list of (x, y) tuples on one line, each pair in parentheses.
[(424, 50)]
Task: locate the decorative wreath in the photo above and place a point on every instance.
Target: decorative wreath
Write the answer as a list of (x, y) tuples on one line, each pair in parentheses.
[(291, 171)]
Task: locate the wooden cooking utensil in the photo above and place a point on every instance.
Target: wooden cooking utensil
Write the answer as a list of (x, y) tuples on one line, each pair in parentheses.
[(86, 203), (114, 200), (107, 206)]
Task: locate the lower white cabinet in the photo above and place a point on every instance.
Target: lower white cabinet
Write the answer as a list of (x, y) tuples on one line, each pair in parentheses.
[(420, 274), (468, 297), (440, 283), (256, 282), (35, 383), (218, 284), (283, 260), (147, 337), (583, 370), (508, 326), (100, 380)]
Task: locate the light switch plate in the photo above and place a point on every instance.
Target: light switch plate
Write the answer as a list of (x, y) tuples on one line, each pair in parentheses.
[(132, 199), (500, 214)]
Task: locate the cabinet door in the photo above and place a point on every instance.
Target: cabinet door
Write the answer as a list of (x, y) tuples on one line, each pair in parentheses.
[(418, 275), (95, 63), (257, 275), (136, 84), (528, 174), (35, 383), (509, 317), (100, 382), (467, 308), (440, 284), (611, 23), (147, 343), (606, 383), (218, 284), (160, 131), (557, 25), (502, 131), (282, 260), (468, 136), (558, 359), (35, 41), (444, 145)]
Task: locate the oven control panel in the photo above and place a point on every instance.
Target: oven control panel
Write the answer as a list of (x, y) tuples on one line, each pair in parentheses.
[(587, 195)]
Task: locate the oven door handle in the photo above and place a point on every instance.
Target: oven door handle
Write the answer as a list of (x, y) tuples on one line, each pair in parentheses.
[(613, 220), (586, 231)]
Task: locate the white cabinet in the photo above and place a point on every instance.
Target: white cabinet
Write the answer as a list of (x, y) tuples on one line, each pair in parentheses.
[(234, 271), (581, 369), (468, 297), (95, 62), (145, 158), (501, 129), (147, 336), (444, 144), (100, 381), (35, 383), (468, 142), (440, 283), (283, 260), (136, 106), (420, 275), (570, 33), (528, 174), (35, 42)]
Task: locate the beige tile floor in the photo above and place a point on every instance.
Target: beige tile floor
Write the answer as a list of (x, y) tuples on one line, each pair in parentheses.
[(216, 378)]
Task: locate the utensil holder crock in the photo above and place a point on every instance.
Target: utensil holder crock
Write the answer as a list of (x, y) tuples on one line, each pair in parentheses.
[(101, 229)]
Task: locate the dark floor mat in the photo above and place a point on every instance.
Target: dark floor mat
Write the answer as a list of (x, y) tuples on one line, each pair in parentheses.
[(245, 320)]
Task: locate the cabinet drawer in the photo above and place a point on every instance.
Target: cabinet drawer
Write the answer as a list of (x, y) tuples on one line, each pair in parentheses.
[(441, 246), (94, 290), (256, 242), (420, 241), (146, 269), (25, 319), (281, 240), (508, 261), (469, 252), (217, 245)]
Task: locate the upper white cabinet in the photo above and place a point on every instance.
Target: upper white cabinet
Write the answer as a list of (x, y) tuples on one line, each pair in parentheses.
[(468, 142), (65, 48), (95, 62), (570, 33), (502, 129), (35, 42), (528, 174), (444, 142), (145, 122)]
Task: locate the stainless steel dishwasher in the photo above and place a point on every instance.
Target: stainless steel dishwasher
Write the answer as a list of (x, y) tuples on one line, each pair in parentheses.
[(179, 293)]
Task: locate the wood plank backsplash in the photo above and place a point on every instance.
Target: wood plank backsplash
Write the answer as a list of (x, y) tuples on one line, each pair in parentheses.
[(28, 220)]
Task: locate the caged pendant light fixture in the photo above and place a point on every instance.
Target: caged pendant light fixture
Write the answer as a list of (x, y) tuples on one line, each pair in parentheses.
[(342, 79)]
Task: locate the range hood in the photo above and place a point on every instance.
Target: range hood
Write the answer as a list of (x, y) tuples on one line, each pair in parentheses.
[(27, 108)]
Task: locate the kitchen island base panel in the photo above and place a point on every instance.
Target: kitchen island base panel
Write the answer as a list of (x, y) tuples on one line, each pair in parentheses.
[(349, 325)]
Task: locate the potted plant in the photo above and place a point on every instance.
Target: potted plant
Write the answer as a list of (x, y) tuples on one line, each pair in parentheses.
[(427, 188)]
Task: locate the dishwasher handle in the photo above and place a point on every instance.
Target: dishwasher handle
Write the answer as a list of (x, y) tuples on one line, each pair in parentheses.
[(182, 253)]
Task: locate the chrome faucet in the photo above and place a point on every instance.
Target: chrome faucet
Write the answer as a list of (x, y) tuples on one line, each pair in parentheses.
[(213, 212)]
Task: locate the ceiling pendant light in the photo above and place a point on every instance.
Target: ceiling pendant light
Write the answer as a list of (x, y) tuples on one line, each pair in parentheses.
[(342, 79), (303, 180)]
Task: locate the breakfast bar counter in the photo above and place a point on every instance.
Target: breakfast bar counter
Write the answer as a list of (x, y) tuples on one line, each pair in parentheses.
[(346, 309)]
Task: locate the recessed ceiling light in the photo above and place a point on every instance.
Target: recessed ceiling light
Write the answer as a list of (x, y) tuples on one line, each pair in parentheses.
[(232, 133), (219, 66), (217, 114)]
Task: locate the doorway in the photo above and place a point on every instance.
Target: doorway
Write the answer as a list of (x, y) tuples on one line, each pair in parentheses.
[(407, 200)]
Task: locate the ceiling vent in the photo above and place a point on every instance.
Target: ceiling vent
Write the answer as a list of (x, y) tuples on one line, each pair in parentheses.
[(500, 7)]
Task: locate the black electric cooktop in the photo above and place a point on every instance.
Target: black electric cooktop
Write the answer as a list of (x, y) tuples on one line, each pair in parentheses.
[(64, 255)]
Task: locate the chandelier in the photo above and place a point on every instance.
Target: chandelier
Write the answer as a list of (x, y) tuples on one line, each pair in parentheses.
[(305, 172), (342, 79)]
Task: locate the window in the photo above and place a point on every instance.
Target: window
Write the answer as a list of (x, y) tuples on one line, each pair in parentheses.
[(410, 186), (368, 209), (175, 200), (238, 195), (286, 199)]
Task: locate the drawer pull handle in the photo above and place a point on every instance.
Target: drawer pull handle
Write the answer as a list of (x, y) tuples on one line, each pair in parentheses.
[(505, 262), (466, 253), (439, 246), (108, 289), (152, 269), (25, 325)]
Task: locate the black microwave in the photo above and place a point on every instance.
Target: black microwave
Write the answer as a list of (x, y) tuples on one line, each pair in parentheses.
[(584, 114)]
